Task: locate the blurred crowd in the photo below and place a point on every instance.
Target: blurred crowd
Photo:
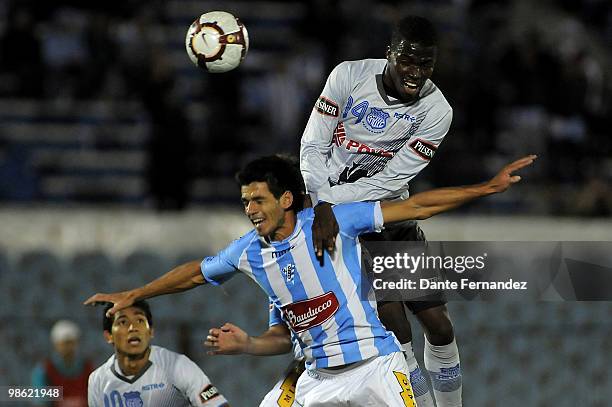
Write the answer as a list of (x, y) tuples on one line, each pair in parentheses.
[(522, 77)]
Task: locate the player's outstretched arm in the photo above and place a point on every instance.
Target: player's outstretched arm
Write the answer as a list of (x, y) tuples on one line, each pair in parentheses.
[(430, 203), (231, 340), (181, 278)]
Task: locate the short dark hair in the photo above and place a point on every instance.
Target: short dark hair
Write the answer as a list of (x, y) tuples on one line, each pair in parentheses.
[(107, 322), (416, 29), (280, 172)]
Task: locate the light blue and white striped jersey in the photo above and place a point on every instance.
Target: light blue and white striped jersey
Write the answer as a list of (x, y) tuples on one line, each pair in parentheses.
[(326, 307)]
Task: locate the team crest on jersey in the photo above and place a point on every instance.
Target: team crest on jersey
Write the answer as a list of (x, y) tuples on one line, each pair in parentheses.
[(376, 120), (132, 399), (288, 271)]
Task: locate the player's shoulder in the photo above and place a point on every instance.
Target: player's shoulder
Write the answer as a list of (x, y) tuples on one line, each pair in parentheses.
[(434, 97), (163, 357), (237, 247), (101, 370), (361, 67)]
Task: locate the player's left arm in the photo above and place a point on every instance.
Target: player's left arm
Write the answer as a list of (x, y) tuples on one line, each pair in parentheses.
[(230, 339), (193, 383), (411, 159), (426, 204)]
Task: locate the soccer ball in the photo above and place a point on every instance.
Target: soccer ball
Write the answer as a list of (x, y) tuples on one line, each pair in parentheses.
[(217, 41)]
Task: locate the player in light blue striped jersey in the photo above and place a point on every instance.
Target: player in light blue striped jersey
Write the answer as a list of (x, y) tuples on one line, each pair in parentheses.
[(350, 357)]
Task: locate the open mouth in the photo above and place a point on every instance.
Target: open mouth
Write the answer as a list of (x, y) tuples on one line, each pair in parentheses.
[(257, 221), (134, 341), (410, 84)]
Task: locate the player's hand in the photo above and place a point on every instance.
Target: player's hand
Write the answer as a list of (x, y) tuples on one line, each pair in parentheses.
[(119, 300), (324, 230), (227, 340), (505, 177)]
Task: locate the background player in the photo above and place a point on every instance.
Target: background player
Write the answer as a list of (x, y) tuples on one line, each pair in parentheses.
[(65, 367), (279, 255), (376, 125), (139, 374)]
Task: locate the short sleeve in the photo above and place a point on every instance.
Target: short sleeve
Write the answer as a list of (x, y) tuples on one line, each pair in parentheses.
[(358, 217), (191, 381), (275, 317), (220, 268), (93, 396)]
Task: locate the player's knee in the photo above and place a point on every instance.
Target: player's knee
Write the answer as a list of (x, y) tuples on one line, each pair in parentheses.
[(393, 317), (437, 326)]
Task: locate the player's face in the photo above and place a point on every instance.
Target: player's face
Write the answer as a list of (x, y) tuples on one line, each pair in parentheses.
[(266, 212), (410, 64), (131, 333)]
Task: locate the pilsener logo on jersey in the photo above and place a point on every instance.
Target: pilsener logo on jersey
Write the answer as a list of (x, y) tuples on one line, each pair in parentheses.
[(424, 149), (326, 106), (306, 314)]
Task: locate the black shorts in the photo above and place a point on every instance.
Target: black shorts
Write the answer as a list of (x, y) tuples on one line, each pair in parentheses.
[(406, 231)]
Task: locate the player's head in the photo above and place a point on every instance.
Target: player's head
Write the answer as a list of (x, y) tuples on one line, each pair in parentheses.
[(129, 330), (411, 56), (271, 189)]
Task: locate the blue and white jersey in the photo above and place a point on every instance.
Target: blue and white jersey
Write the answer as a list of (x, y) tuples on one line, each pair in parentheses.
[(168, 380), (333, 318)]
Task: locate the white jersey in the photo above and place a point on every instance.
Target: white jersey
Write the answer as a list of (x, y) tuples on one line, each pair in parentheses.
[(168, 380), (328, 309), (361, 144)]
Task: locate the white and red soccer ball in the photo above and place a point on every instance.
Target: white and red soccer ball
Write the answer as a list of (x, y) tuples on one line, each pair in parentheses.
[(217, 41)]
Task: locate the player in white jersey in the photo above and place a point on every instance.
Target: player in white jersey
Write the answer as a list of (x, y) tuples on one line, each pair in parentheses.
[(141, 375), (351, 358), (376, 125)]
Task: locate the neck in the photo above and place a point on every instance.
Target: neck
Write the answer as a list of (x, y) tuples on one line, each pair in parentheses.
[(132, 364), (286, 228)]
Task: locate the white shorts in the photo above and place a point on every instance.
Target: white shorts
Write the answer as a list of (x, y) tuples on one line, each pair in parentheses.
[(377, 382), (283, 392)]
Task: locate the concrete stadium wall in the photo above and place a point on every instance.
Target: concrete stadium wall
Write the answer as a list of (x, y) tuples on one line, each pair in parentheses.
[(119, 232)]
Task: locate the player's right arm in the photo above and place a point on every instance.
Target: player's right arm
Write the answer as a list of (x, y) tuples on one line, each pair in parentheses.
[(426, 204), (314, 152), (93, 395), (213, 269), (180, 278)]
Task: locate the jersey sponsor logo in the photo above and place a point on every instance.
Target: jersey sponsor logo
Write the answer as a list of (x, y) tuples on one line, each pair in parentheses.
[(208, 393), (326, 106), (339, 135), (153, 386), (376, 120), (339, 139), (424, 149), (303, 315), (409, 118), (133, 399), (281, 252)]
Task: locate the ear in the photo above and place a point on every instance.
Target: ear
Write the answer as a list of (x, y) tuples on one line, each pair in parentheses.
[(152, 332), (286, 200), (108, 337)]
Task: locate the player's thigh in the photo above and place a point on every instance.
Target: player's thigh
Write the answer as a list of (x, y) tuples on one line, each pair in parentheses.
[(313, 392), (386, 384)]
